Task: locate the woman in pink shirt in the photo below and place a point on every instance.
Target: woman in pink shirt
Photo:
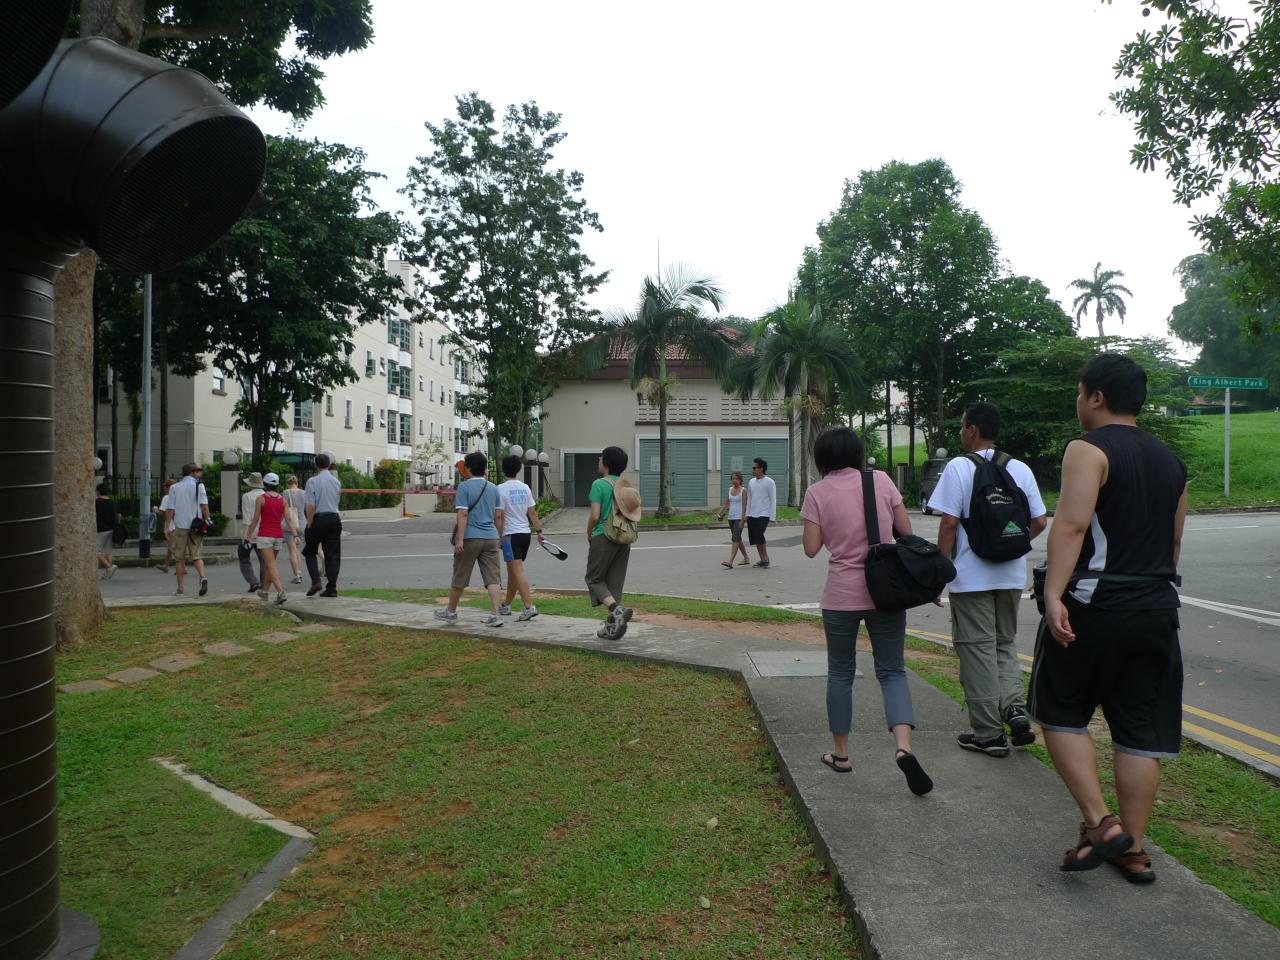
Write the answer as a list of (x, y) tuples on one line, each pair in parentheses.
[(834, 518)]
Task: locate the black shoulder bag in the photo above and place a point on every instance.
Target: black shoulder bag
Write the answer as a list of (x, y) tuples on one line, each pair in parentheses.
[(903, 574), (199, 525)]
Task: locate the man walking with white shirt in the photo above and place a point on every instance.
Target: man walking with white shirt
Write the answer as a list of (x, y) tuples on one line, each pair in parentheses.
[(991, 574), (324, 526), (188, 500), (762, 507)]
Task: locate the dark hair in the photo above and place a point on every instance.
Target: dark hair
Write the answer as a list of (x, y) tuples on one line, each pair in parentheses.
[(102, 489), (476, 462), (322, 461), (736, 473), (510, 465), (762, 463), (837, 448), (1122, 382), (615, 460), (189, 468), (984, 416)]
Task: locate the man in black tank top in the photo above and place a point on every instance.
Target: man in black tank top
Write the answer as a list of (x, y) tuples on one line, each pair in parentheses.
[(1110, 633)]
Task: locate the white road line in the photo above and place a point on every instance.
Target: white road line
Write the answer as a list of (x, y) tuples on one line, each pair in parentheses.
[(1242, 526), (1271, 619)]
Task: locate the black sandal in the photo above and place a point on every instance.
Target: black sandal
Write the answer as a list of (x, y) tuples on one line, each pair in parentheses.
[(830, 760), (918, 781), (1099, 849), (1134, 866)]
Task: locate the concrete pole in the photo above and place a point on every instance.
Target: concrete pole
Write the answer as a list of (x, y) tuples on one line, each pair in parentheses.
[(144, 484), (1226, 447)]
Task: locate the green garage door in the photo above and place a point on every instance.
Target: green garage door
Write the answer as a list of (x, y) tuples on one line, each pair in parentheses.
[(688, 462), (738, 454)]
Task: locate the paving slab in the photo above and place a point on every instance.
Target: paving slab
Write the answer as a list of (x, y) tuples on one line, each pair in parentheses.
[(315, 628), (279, 636), (86, 686), (176, 662), (791, 663), (227, 649), (133, 675), (968, 872)]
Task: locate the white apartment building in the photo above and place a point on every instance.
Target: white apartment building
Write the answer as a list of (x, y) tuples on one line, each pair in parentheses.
[(401, 404)]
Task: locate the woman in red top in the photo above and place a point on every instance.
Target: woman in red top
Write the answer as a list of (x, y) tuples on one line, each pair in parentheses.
[(270, 519)]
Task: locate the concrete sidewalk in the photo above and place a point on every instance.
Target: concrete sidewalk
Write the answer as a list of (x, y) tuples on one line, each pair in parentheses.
[(968, 872)]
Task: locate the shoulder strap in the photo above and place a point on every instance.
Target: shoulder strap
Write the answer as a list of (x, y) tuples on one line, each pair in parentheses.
[(976, 460), (1001, 459), (869, 507)]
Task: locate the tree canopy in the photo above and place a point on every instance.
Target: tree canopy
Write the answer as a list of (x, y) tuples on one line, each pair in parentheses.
[(1203, 92), (501, 230)]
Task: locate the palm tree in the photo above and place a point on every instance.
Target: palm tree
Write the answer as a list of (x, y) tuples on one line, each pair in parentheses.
[(1102, 294), (668, 320), (807, 360)]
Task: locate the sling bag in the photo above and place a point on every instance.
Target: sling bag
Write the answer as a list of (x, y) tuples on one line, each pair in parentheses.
[(903, 574)]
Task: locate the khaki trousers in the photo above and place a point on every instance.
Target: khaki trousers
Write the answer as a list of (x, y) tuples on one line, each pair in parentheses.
[(984, 625)]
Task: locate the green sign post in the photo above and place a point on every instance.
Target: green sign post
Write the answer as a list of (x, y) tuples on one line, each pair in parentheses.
[(1228, 384)]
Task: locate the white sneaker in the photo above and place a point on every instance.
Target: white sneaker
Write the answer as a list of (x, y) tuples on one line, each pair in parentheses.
[(280, 598), (262, 594), (111, 571), (504, 610), (297, 579), (528, 613), (493, 620), (446, 616), (606, 629)]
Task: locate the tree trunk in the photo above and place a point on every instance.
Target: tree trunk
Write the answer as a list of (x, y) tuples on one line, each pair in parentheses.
[(77, 604), (911, 428), (804, 454), (1100, 333), (115, 431), (664, 478), (793, 460), (888, 425), (941, 412)]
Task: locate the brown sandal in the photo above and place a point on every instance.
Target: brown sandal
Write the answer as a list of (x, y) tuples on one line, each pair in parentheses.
[(1134, 866), (1091, 838)]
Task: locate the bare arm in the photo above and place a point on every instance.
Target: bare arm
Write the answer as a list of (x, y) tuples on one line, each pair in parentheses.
[(947, 534), (1083, 473), (1179, 518), (1037, 526), (499, 520), (535, 521), (812, 538), (460, 530), (901, 520), (595, 518)]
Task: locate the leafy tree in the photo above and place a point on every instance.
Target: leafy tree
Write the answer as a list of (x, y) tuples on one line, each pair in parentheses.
[(1209, 318), (907, 269), (238, 44), (1203, 92), (280, 296), (1102, 293), (667, 321), (806, 359), (501, 231)]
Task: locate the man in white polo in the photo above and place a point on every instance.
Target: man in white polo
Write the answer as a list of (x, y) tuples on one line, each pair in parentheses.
[(762, 507), (985, 594), (188, 500)]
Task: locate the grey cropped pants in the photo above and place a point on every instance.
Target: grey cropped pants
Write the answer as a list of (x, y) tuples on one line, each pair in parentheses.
[(888, 634)]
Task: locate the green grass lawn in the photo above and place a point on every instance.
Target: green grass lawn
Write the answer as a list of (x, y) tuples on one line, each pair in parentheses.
[(710, 516), (470, 799), (1255, 461), (1219, 818)]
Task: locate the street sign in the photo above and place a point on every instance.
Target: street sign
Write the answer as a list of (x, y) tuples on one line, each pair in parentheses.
[(1230, 383)]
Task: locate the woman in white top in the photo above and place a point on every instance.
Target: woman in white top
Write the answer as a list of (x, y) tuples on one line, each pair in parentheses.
[(735, 505), (297, 501)]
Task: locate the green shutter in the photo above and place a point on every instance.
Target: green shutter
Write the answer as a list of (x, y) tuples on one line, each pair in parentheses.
[(774, 451), (568, 480), (688, 465)]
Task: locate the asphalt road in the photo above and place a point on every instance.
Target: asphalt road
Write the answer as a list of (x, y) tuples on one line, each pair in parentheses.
[(1230, 616)]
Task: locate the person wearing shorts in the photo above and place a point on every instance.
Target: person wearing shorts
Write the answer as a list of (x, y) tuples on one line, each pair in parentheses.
[(266, 529), (107, 518), (735, 503), (1109, 637), (762, 507), (477, 534), (188, 499), (519, 520)]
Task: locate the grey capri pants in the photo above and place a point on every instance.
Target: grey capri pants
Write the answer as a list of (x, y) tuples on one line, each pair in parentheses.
[(888, 632)]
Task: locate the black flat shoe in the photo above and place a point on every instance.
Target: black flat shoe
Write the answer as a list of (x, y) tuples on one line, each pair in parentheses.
[(918, 781)]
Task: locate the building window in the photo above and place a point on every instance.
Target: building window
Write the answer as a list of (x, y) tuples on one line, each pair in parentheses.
[(431, 350), (392, 433), (328, 405), (104, 392), (420, 338), (442, 396), (432, 434), (219, 381), (393, 377), (419, 427), (368, 468), (368, 363), (382, 365), (347, 416), (382, 418), (304, 415), (420, 384), (406, 429), (368, 418), (216, 456), (348, 461)]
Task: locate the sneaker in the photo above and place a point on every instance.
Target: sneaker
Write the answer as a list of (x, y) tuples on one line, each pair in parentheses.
[(493, 620), (314, 589), (204, 586), (528, 613), (177, 593), (297, 579), (262, 594), (995, 747), (621, 616), (254, 588), (111, 571), (762, 564), (606, 629), (504, 610), (329, 592), (1020, 732), (446, 615), (280, 598)]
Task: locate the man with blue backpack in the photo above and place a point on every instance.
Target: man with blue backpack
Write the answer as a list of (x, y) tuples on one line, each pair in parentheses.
[(991, 511)]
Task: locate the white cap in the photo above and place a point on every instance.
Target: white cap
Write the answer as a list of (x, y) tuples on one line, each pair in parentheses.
[(271, 480)]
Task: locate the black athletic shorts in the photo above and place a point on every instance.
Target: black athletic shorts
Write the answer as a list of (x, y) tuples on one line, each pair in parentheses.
[(755, 530), (1126, 661), (515, 546)]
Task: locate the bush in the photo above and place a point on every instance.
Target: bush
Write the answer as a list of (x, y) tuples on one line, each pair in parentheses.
[(353, 479), (390, 475), (218, 523), (547, 506)]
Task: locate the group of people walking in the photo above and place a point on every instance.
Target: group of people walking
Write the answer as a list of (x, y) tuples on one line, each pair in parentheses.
[(753, 506), (1109, 635)]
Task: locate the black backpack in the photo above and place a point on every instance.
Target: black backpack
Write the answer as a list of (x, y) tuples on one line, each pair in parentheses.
[(999, 521)]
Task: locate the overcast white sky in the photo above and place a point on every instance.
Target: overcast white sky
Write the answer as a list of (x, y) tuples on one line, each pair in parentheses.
[(725, 130)]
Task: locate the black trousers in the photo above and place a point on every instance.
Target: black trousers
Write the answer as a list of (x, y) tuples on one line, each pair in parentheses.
[(324, 531)]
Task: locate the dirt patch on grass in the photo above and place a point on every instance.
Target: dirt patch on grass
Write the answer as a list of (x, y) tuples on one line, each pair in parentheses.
[(1244, 847), (304, 781), (338, 853), (809, 633), (309, 930), (374, 820), (455, 811), (317, 805)]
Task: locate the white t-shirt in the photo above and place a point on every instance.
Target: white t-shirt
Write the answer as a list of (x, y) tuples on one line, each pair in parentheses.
[(164, 507), (248, 500), (516, 499), (186, 497), (762, 499), (951, 496)]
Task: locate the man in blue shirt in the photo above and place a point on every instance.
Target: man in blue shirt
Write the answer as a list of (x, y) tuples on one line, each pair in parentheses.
[(324, 525), (476, 539)]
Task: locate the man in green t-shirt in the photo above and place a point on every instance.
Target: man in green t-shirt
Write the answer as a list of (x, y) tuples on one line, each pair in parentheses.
[(606, 560)]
